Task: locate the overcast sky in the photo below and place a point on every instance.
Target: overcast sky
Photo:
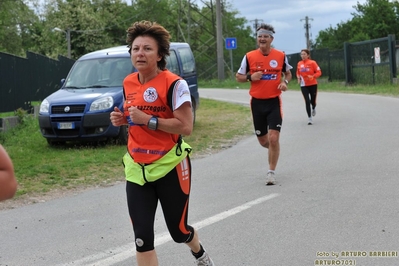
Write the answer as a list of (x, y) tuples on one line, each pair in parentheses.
[(288, 18)]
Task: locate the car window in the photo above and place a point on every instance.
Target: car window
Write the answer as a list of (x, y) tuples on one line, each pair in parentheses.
[(99, 72), (187, 59), (119, 71), (171, 63)]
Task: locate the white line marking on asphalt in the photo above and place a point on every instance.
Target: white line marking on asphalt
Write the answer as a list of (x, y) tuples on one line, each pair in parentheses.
[(122, 253)]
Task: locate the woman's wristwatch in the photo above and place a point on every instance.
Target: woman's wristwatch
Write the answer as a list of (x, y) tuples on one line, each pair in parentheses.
[(153, 123)]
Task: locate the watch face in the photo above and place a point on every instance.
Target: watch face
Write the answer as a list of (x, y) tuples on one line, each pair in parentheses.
[(153, 123)]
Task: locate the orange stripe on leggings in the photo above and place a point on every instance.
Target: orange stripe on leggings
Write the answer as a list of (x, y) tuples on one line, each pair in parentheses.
[(183, 222), (184, 175)]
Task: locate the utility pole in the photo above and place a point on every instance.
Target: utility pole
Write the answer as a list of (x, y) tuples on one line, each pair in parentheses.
[(307, 27), (256, 25), (219, 41)]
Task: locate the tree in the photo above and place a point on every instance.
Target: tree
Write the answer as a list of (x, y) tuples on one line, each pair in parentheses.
[(378, 18), (88, 22), (98, 24), (373, 19), (203, 37), (17, 22)]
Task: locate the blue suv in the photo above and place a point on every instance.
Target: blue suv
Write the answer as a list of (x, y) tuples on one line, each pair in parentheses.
[(80, 109)]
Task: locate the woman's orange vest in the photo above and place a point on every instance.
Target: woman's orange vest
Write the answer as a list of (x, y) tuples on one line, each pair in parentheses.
[(145, 145), (272, 67)]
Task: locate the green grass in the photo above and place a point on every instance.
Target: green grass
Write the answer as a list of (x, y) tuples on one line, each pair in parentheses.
[(226, 84), (384, 89), (7, 114), (41, 168)]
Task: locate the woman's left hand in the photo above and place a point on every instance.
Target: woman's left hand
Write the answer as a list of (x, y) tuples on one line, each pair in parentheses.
[(138, 117)]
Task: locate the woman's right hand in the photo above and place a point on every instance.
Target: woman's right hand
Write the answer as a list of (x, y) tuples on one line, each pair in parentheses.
[(117, 118)]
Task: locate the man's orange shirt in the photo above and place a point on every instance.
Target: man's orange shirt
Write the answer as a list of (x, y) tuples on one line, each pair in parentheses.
[(272, 67)]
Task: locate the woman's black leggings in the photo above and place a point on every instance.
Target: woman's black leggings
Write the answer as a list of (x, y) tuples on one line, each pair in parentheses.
[(172, 191), (310, 95)]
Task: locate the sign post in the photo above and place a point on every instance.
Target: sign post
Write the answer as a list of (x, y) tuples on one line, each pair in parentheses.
[(231, 43)]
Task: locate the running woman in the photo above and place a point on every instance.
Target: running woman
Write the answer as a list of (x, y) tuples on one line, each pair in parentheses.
[(307, 73)]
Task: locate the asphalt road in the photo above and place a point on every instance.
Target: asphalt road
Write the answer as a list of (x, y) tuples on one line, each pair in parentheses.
[(336, 199)]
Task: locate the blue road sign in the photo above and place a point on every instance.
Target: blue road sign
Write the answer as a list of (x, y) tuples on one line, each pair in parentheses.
[(231, 43)]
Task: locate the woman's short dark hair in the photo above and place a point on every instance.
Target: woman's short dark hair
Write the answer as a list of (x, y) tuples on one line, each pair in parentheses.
[(154, 30)]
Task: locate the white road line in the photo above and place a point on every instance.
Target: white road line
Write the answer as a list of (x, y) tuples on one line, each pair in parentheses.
[(119, 254)]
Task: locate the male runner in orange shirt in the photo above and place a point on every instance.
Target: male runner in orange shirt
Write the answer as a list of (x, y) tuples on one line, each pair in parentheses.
[(269, 72)]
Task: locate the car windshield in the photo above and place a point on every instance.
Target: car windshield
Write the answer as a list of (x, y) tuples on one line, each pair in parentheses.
[(99, 73)]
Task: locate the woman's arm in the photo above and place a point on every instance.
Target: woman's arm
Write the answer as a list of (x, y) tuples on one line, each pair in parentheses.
[(8, 182), (181, 123), (317, 70)]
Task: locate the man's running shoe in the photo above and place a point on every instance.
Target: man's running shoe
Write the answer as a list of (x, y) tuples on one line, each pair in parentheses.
[(270, 179), (310, 122), (205, 260), (314, 112)]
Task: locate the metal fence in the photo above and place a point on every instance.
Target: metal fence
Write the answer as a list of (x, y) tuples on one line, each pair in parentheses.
[(332, 63), (369, 62), (23, 80)]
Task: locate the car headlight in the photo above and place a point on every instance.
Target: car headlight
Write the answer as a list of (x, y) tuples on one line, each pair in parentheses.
[(44, 106), (102, 104)]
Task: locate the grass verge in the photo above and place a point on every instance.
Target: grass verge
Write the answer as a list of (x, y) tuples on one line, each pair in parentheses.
[(42, 169), (382, 89)]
